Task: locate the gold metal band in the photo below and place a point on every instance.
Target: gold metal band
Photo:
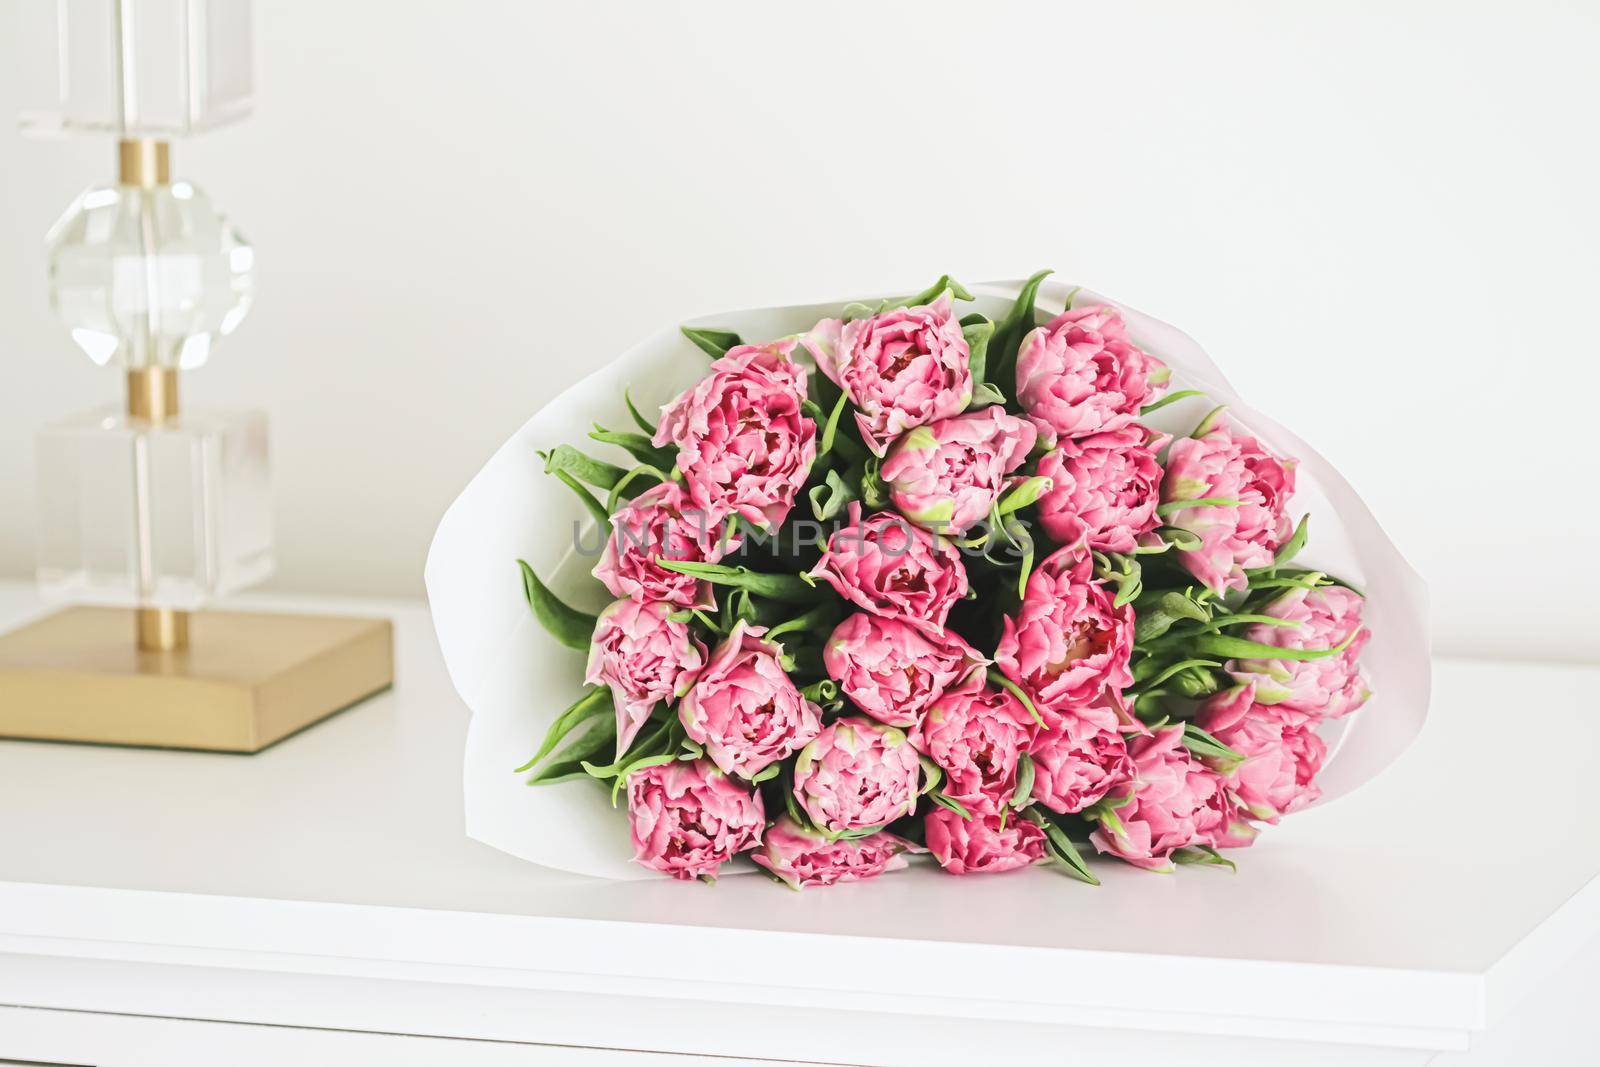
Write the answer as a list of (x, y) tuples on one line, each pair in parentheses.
[(162, 629), (144, 163), (153, 393)]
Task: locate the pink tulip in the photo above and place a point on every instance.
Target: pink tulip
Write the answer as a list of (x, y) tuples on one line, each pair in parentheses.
[(1068, 645), (858, 774), (885, 565), (1104, 489), (904, 368), (744, 709), (975, 734), (1251, 519), (743, 445), (646, 657), (893, 671), (660, 523), (982, 844), (1080, 760), (949, 474), (1080, 374), (1177, 802), (1282, 753), (688, 818), (801, 856), (1325, 617)]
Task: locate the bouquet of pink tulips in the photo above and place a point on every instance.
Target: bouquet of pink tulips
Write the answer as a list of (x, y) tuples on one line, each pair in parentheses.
[(920, 581)]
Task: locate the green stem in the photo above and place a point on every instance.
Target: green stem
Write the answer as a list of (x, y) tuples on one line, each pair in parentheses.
[(1011, 687), (593, 506), (622, 483), (773, 586), (1216, 625), (1181, 665), (818, 618), (1238, 648), (1170, 398), (1172, 506)]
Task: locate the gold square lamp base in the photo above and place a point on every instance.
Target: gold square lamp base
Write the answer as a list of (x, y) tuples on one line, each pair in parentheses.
[(244, 681)]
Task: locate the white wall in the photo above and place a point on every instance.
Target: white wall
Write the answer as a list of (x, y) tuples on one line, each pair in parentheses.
[(1381, 218)]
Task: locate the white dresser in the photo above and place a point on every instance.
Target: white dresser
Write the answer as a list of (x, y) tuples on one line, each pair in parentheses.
[(319, 904)]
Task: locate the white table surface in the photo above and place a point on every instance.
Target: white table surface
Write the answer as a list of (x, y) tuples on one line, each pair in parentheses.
[(327, 883)]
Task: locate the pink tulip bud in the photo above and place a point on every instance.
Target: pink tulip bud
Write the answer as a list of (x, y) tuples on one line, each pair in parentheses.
[(743, 445), (982, 844), (975, 734), (1080, 374), (1080, 760), (892, 670), (688, 818), (904, 368), (1282, 751), (885, 565), (1068, 644), (743, 707), (659, 523), (1250, 520), (804, 857), (1104, 489), (948, 475), (1325, 617), (1177, 802), (857, 774), (645, 657)]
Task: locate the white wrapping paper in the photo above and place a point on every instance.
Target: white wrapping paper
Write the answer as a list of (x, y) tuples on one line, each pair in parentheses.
[(515, 678)]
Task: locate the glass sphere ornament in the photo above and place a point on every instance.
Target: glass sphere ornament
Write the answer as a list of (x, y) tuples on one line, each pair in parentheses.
[(148, 276)]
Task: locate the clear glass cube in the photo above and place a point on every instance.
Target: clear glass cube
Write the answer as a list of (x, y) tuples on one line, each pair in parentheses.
[(169, 516), (136, 68), (149, 277)]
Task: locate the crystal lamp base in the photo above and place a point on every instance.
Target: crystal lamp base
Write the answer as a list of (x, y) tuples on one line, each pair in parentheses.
[(170, 515)]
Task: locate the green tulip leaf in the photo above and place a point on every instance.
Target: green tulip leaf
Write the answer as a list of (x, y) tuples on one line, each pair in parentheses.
[(636, 445), (830, 498), (1024, 494), (831, 428), (932, 292), (1022, 796), (977, 331), (714, 343), (950, 804), (1008, 335), (1172, 506), (567, 625), (598, 473), (638, 419), (1203, 856), (593, 506), (1060, 847), (596, 700), (568, 763)]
